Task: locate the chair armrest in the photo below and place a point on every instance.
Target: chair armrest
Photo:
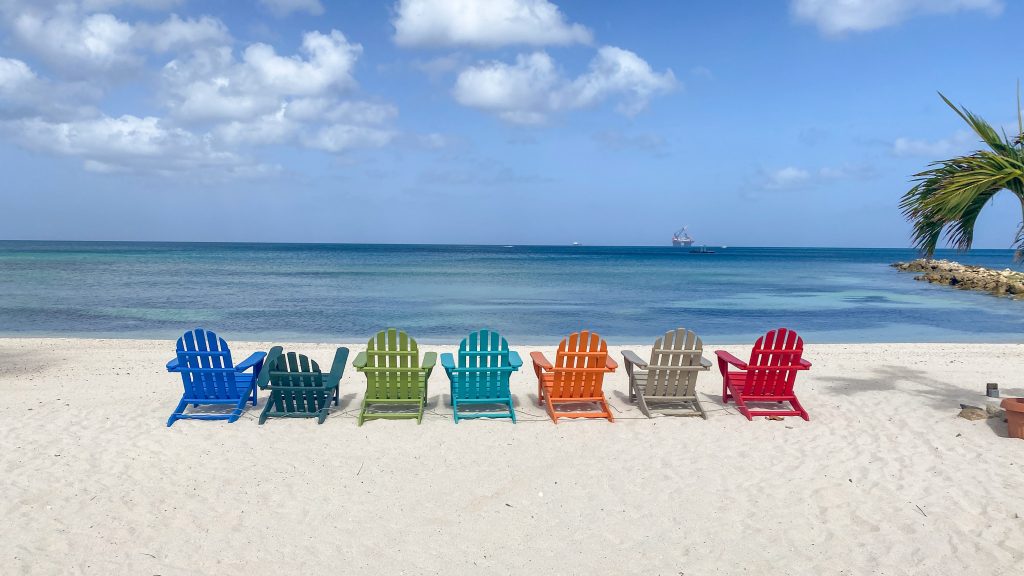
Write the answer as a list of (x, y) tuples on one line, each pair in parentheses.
[(263, 379), (338, 367), (805, 364), (705, 363), (172, 366), (724, 356), (429, 360), (514, 360), (253, 359), (630, 357), (610, 364), (448, 361), (539, 361), (360, 362)]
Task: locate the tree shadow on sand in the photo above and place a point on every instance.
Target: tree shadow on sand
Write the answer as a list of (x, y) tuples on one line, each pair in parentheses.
[(936, 393)]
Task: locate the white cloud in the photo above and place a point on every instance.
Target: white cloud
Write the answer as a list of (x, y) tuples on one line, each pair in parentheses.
[(98, 5), (176, 33), (282, 8), (218, 102), (23, 93), (487, 24), (527, 91), (796, 178), (83, 45), (77, 45), (343, 137), (211, 84), (786, 178), (15, 76), (835, 17), (934, 149), (129, 143)]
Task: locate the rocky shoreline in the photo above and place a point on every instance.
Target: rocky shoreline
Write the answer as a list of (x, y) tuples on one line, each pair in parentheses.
[(997, 282)]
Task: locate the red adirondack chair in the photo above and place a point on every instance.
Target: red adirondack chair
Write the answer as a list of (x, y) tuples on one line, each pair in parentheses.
[(768, 377), (576, 377)]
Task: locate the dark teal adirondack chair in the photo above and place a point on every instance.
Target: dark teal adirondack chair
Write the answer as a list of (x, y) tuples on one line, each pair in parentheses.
[(481, 375), (204, 362), (298, 389)]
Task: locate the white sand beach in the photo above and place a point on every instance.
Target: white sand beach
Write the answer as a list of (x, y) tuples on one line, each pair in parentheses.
[(884, 479)]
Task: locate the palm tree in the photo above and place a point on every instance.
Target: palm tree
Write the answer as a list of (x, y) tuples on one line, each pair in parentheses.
[(951, 193)]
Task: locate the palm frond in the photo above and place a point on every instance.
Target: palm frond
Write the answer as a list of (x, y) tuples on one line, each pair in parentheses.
[(947, 198)]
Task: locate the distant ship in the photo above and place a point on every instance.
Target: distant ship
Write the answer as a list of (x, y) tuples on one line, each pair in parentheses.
[(577, 244), (682, 238)]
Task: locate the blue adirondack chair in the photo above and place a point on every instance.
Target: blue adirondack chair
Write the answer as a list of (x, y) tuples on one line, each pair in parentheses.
[(481, 375), (204, 362)]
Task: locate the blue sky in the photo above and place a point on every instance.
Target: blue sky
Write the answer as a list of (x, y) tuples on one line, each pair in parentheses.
[(782, 123)]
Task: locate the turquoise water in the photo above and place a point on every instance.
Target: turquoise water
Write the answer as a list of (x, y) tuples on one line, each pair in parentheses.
[(530, 293)]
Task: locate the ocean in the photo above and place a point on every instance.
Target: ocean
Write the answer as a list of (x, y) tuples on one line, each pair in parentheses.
[(532, 294)]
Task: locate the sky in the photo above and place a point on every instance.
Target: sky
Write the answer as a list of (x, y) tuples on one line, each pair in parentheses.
[(754, 123)]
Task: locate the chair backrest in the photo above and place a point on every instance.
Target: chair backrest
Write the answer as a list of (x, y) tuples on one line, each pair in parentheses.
[(393, 366), (483, 367), (295, 381), (293, 370), (580, 365), (207, 371), (774, 362), (674, 365)]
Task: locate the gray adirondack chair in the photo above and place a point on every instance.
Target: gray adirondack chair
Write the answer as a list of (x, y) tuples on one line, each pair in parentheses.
[(670, 378)]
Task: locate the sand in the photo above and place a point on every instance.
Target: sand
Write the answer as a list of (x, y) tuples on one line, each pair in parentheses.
[(884, 479)]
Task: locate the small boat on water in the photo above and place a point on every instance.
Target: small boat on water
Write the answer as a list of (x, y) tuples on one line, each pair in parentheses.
[(577, 244), (702, 250)]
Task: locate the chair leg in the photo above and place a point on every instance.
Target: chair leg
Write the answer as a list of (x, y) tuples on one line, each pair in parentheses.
[(643, 405), (455, 409), (799, 408), (551, 410), (266, 411), (362, 413), (177, 413), (741, 405), (540, 393), (337, 396), (700, 409), (607, 410), (511, 411)]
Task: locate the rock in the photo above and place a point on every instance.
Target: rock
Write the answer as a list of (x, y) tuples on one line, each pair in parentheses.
[(973, 414), (1001, 283), (995, 412)]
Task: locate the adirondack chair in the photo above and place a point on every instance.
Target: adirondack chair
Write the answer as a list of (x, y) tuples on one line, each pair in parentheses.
[(204, 362), (298, 389), (394, 375), (670, 378), (575, 377), (768, 377), (481, 375)]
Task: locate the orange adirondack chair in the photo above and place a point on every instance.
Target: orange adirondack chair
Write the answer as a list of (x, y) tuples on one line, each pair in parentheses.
[(768, 377), (576, 376)]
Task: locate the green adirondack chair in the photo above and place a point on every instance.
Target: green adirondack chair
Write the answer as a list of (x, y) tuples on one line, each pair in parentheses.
[(298, 389), (394, 376)]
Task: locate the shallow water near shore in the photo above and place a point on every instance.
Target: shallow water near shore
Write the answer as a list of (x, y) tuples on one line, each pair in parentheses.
[(530, 293)]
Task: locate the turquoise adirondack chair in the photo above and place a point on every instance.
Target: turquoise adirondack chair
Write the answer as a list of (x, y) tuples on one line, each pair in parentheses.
[(298, 388), (481, 375), (204, 362), (394, 375)]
